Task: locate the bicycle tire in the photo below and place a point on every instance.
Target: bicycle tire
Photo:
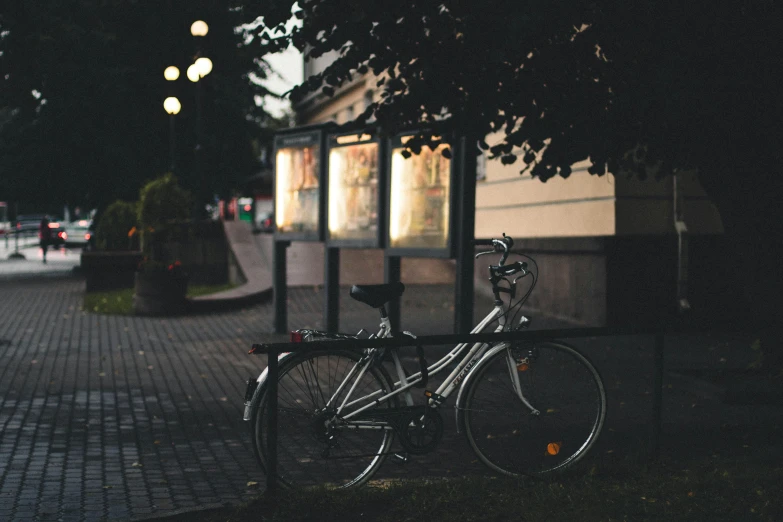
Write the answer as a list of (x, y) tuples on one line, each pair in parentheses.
[(560, 382), (354, 455)]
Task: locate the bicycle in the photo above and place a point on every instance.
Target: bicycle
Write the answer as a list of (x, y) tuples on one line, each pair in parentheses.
[(527, 408)]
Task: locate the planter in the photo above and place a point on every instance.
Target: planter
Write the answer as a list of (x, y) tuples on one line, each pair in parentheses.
[(159, 293), (106, 270)]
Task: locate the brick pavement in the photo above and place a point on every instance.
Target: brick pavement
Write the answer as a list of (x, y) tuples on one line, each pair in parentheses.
[(116, 418)]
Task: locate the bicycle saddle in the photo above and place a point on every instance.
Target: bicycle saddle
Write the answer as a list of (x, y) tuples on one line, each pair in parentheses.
[(377, 295)]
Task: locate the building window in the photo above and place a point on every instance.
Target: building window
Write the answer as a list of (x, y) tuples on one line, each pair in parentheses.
[(368, 99)]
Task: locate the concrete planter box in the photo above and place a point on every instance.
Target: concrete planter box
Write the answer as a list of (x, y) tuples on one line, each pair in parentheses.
[(113, 270), (159, 293)]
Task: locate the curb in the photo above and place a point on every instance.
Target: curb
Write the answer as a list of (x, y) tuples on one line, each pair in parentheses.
[(204, 305)]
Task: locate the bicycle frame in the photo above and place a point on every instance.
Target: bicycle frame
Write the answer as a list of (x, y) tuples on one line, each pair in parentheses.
[(470, 356)]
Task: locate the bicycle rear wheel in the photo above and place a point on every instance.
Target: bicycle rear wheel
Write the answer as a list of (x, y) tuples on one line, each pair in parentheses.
[(309, 452), (556, 380)]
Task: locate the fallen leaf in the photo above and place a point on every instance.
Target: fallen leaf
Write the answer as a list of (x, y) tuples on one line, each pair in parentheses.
[(251, 483), (108, 487), (141, 352), (150, 367), (34, 361), (102, 374), (156, 442), (136, 465)]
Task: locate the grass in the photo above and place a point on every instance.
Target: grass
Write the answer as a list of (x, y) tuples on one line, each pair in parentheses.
[(120, 302), (712, 489)]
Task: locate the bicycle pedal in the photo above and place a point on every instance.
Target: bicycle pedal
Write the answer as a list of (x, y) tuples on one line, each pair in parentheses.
[(400, 458)]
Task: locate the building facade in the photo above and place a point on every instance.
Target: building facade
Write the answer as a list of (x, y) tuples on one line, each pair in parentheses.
[(608, 247)]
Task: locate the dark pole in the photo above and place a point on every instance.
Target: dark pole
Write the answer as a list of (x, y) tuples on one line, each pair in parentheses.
[(172, 143), (331, 289), (466, 220), (197, 150), (271, 411), (391, 274), (657, 395), (280, 285)]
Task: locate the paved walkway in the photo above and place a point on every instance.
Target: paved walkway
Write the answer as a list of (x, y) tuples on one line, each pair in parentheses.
[(124, 418)]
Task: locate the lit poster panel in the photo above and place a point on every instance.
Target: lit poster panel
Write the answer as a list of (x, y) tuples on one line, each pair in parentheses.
[(298, 186), (353, 196), (420, 203)]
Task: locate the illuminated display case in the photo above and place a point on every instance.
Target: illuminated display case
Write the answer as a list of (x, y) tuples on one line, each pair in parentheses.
[(421, 203), (299, 184), (355, 191)]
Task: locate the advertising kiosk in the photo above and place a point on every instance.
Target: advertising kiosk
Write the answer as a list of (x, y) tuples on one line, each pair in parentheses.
[(299, 195)]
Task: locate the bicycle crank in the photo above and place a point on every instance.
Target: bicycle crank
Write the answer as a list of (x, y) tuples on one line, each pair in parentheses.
[(420, 430)]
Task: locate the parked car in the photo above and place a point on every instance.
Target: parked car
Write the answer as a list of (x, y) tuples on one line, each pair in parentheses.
[(28, 225), (79, 232), (265, 222)]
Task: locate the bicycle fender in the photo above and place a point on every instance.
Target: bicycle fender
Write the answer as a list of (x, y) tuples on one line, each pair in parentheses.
[(260, 385), (280, 357), (459, 405)]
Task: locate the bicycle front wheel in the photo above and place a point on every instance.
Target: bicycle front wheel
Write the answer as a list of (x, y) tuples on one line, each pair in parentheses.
[(533, 409), (314, 447)]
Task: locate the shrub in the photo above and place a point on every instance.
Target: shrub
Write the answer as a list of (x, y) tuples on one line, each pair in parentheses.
[(114, 225), (161, 201)]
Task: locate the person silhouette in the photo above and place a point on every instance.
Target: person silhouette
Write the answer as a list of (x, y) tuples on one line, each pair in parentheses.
[(44, 235)]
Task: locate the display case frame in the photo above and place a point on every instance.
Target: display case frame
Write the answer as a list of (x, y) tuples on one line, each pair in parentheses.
[(343, 141), (294, 138), (446, 251)]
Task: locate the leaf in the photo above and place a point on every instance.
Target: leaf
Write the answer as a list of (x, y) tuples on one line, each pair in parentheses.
[(252, 483), (328, 91), (446, 153)]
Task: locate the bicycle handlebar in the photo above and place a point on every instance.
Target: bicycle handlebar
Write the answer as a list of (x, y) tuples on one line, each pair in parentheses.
[(499, 245)]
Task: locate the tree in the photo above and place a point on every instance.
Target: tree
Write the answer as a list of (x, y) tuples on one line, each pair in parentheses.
[(635, 87), (81, 115)]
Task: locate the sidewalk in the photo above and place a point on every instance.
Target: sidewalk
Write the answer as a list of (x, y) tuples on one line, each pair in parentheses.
[(126, 418)]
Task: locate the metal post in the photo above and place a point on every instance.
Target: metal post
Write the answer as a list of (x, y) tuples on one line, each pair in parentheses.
[(332, 289), (280, 285), (391, 274), (682, 247), (172, 144), (657, 395), (271, 411), (466, 221), (198, 155)]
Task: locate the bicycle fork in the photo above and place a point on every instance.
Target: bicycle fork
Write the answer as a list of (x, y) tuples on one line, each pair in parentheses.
[(514, 369)]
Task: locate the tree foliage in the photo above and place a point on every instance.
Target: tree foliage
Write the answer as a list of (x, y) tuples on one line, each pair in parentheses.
[(114, 226), (634, 87), (631, 86), (162, 200), (81, 114)]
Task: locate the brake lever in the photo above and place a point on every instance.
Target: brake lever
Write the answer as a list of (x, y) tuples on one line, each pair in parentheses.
[(484, 253)]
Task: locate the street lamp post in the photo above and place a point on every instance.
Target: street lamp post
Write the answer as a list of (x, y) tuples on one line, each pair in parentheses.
[(198, 70), (172, 106)]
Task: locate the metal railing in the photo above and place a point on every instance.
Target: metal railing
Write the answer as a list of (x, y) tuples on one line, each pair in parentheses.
[(273, 350)]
